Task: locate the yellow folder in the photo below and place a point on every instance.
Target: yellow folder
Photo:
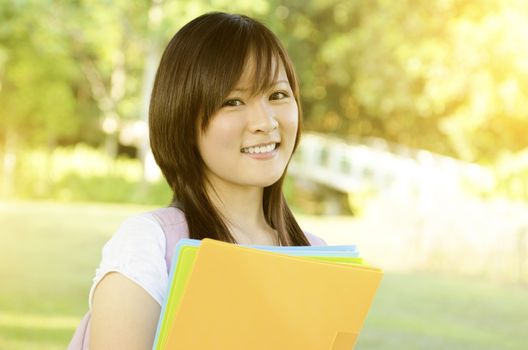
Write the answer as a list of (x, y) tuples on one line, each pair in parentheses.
[(244, 298)]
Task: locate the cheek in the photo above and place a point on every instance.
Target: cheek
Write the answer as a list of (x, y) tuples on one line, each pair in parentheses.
[(290, 122), (221, 134)]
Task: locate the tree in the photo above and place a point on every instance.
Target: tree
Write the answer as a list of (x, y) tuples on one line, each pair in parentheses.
[(37, 104)]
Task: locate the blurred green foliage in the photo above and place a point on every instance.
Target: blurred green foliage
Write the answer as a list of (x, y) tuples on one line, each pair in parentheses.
[(83, 173), (449, 76)]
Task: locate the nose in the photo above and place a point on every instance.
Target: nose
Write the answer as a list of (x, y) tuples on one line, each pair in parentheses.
[(262, 118)]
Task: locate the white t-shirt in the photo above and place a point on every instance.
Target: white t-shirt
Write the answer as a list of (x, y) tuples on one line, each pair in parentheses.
[(137, 250)]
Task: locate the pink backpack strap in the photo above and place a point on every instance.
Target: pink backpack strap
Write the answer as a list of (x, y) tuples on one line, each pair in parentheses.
[(81, 337), (314, 240), (174, 225)]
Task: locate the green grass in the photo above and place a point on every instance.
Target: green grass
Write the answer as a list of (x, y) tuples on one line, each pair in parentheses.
[(49, 252), (427, 311)]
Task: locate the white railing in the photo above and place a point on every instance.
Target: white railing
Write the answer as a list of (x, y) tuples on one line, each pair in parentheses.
[(350, 166)]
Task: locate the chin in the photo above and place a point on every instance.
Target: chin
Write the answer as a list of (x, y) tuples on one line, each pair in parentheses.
[(266, 182)]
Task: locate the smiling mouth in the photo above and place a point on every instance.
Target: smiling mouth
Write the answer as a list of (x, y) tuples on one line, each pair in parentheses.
[(260, 149)]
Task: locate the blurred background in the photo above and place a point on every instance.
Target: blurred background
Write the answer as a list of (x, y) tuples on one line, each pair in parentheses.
[(415, 149)]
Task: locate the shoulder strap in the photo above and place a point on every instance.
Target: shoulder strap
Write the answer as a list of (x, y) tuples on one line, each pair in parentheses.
[(174, 226), (314, 240), (81, 338)]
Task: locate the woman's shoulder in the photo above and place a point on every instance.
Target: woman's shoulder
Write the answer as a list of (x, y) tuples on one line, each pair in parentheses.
[(136, 228), (156, 222), (161, 228), (141, 249)]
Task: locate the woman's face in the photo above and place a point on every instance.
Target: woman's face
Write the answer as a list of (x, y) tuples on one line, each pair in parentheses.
[(250, 140)]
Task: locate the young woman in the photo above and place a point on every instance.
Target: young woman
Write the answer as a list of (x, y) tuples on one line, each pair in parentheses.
[(224, 121)]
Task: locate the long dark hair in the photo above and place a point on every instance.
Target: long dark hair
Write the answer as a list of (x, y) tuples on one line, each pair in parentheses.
[(199, 67)]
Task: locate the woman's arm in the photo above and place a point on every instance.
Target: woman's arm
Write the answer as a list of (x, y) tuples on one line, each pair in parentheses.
[(124, 315)]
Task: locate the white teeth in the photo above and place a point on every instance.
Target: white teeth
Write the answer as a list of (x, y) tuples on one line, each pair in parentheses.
[(261, 149)]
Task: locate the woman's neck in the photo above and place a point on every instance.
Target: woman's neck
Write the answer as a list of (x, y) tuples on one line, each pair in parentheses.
[(241, 206)]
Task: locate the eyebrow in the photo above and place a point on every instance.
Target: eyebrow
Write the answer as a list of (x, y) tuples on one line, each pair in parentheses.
[(241, 89)]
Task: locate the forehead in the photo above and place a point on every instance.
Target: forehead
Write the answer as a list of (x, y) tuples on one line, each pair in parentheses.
[(258, 76)]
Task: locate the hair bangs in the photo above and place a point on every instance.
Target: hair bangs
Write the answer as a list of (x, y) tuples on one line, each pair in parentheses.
[(267, 62), (228, 52), (223, 57), (269, 56)]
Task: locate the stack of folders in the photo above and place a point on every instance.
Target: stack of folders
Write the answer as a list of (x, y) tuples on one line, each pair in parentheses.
[(228, 296)]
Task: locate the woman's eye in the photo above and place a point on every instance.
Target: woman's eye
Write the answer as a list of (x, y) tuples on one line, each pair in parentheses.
[(279, 95), (232, 103)]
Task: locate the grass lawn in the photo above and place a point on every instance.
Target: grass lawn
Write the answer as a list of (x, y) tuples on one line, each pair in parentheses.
[(49, 252)]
